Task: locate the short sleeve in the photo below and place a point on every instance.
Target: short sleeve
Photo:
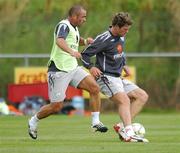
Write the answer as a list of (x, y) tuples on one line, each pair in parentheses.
[(62, 30)]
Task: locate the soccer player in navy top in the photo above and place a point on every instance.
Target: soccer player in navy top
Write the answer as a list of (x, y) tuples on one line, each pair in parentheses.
[(109, 62)]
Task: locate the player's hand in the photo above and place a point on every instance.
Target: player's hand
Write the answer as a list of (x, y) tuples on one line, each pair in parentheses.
[(90, 40), (127, 71), (76, 54), (95, 72)]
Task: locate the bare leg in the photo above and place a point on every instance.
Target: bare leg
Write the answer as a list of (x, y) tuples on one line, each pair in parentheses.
[(44, 112), (49, 109), (92, 87), (139, 98), (95, 102), (123, 102)]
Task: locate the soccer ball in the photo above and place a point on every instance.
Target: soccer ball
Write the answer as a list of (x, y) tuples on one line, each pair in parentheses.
[(139, 129)]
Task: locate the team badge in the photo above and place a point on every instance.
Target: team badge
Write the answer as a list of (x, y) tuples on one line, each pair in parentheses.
[(119, 48)]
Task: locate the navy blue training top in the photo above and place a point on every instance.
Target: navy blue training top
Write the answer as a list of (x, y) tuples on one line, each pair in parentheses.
[(109, 51)]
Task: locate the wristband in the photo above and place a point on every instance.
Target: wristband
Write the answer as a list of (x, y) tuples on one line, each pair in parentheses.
[(85, 41), (72, 53)]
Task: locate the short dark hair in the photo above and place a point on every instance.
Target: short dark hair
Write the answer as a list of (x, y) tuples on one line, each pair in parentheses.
[(74, 10), (122, 18)]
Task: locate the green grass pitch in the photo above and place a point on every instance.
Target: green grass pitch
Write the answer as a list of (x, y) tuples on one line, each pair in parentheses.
[(72, 134)]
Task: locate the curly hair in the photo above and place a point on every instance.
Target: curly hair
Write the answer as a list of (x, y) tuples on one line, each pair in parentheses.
[(122, 18)]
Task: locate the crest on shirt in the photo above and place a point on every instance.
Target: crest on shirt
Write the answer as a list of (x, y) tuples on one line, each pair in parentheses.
[(119, 48)]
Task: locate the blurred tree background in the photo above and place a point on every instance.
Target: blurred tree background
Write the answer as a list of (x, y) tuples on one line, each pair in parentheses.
[(26, 26)]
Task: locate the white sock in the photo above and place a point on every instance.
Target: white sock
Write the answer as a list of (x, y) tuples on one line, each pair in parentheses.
[(121, 125), (34, 120), (129, 130), (95, 118)]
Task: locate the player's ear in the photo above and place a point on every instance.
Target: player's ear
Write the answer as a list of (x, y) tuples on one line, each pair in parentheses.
[(74, 17)]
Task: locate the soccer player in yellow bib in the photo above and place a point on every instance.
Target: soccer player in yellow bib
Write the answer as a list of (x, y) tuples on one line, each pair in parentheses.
[(63, 70)]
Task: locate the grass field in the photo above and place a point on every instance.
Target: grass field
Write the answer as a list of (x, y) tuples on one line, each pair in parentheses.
[(64, 134)]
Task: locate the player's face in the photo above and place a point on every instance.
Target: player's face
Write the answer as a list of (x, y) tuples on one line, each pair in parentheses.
[(81, 17), (123, 30)]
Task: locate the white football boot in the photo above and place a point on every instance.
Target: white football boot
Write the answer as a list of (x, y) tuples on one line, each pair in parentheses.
[(118, 127), (127, 134), (32, 130)]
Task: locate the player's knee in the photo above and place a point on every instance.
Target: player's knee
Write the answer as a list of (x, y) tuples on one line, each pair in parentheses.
[(125, 101), (94, 89), (144, 97)]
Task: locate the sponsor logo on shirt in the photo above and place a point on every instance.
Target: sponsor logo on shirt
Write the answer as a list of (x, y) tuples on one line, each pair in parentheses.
[(119, 51), (75, 47), (117, 56)]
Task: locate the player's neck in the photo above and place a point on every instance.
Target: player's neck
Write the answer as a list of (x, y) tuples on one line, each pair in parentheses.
[(71, 20)]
